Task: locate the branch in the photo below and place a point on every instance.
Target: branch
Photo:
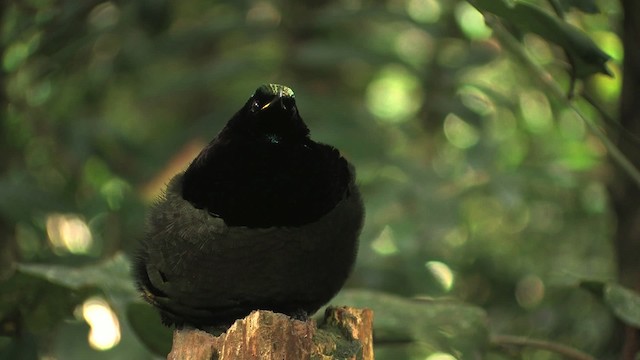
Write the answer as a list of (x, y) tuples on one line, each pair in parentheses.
[(564, 350), (554, 89)]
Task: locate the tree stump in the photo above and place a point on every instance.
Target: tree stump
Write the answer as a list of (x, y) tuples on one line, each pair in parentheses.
[(345, 333)]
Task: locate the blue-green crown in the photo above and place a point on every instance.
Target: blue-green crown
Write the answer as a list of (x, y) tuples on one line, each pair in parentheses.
[(274, 89)]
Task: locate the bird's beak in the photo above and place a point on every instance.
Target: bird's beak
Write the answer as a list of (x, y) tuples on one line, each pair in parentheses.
[(273, 101)]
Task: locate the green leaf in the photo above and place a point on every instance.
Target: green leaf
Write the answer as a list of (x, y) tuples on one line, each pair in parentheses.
[(588, 58), (40, 296), (586, 6), (623, 302), (36, 304), (442, 325), (145, 322), (112, 276)]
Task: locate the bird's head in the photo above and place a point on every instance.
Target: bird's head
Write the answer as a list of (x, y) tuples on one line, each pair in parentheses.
[(270, 96), (271, 114)]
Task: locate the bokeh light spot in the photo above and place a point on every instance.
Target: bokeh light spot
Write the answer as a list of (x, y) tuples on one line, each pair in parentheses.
[(609, 87), (14, 56), (38, 93), (539, 49), (471, 21), (476, 100), (414, 46), (68, 232), (501, 125), (394, 95), (536, 111), (105, 328), (385, 243), (424, 11), (440, 356), (104, 15), (529, 291), (484, 215), (459, 133), (442, 273), (264, 13), (457, 236), (453, 53), (610, 43), (114, 191)]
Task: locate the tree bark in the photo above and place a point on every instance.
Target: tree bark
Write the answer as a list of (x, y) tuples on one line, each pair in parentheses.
[(345, 333), (624, 192), (8, 246)]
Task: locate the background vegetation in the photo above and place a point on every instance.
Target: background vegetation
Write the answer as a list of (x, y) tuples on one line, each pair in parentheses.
[(498, 210)]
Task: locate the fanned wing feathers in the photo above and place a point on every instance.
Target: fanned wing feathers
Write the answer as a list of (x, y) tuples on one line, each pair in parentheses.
[(263, 218), (239, 268)]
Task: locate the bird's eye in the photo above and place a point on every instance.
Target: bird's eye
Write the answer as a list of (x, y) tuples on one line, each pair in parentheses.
[(255, 106), (288, 103)]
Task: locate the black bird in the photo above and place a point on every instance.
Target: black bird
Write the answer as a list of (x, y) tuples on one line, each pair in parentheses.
[(263, 218)]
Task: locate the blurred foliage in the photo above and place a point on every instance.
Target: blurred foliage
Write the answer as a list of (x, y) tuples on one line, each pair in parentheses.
[(586, 57), (419, 326), (478, 185), (623, 302)]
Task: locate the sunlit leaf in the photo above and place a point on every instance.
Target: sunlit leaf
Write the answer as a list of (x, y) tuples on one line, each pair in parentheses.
[(588, 57)]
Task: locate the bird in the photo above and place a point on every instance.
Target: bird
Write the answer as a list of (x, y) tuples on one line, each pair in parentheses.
[(264, 218)]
